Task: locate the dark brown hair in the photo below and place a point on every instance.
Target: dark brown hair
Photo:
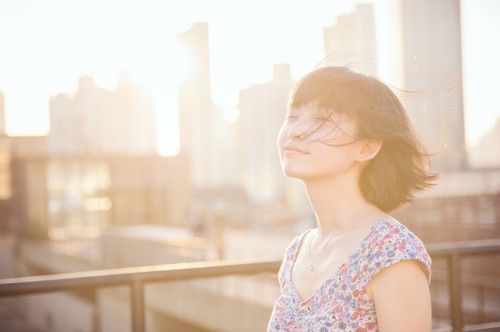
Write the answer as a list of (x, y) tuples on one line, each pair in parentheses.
[(402, 165)]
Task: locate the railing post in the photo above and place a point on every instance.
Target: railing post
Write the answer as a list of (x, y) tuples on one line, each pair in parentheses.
[(137, 305), (455, 289)]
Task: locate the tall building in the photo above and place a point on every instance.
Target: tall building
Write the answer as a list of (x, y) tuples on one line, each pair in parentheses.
[(225, 147), (262, 110), (421, 46), (351, 41), (196, 110), (96, 121)]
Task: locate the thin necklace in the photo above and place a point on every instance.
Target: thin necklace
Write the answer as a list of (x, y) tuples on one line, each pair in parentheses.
[(310, 265)]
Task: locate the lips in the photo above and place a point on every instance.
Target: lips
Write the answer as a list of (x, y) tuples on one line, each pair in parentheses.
[(290, 148)]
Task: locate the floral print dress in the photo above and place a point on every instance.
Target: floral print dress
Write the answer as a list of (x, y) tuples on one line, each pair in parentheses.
[(341, 303)]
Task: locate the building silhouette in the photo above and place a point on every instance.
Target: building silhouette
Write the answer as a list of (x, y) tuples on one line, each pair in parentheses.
[(351, 41), (423, 56), (100, 122), (97, 168), (422, 61), (262, 111), (196, 110)]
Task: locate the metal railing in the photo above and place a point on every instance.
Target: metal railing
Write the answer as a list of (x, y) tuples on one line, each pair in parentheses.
[(453, 253), (137, 277)]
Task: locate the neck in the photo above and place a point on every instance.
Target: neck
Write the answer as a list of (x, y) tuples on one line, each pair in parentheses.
[(339, 205)]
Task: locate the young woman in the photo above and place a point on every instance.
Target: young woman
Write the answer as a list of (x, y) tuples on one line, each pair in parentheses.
[(349, 140)]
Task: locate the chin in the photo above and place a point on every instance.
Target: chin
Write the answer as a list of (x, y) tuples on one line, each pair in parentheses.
[(294, 174)]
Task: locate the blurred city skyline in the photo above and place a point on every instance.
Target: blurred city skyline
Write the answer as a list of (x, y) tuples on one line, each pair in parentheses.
[(93, 194), (47, 45)]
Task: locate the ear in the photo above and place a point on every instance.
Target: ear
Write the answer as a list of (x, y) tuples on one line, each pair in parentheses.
[(368, 150)]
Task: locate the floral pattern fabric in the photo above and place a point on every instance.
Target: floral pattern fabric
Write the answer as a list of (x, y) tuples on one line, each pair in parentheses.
[(341, 303)]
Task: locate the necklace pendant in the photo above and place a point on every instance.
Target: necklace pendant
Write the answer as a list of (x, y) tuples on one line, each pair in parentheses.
[(310, 267)]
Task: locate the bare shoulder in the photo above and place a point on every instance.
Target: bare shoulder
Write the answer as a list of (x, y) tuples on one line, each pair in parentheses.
[(401, 296), (397, 275)]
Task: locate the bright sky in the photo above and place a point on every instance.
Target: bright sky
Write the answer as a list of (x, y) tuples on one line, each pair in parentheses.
[(481, 70), (46, 45)]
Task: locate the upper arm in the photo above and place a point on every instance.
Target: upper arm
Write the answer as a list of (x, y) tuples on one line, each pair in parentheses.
[(402, 298)]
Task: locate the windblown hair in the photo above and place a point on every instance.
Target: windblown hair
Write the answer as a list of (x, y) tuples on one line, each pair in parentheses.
[(402, 166)]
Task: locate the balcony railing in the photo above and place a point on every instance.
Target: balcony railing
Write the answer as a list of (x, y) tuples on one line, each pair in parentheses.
[(137, 277), (453, 253)]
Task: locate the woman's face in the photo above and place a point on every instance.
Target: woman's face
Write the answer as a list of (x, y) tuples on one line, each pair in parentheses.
[(316, 143)]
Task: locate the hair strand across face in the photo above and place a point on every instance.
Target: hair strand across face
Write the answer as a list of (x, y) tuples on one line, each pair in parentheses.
[(402, 165)]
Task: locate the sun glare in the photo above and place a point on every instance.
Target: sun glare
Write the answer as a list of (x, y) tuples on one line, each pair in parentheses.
[(161, 72), (47, 45), (147, 50)]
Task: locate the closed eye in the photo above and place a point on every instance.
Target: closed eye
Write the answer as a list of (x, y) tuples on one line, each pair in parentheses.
[(290, 117)]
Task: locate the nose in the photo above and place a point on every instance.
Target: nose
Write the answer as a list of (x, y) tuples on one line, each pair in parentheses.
[(298, 129)]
